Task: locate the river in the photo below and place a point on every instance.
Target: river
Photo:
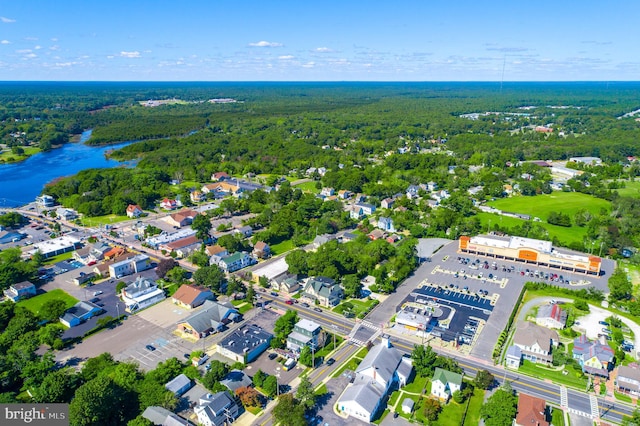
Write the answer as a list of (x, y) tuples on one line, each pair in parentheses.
[(21, 182)]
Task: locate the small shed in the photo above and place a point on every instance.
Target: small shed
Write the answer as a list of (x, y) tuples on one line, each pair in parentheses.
[(179, 385), (407, 405)]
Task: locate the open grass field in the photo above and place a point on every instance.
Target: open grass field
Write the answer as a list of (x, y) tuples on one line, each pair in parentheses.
[(55, 259), (282, 247), (35, 303), (109, 219), (565, 235), (359, 306), (541, 205), (537, 370), (632, 189), (308, 187), (9, 157)]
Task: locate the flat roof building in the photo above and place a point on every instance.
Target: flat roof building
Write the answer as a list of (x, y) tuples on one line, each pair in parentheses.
[(245, 344)]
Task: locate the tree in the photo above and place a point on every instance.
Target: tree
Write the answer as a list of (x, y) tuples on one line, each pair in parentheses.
[(50, 333), (284, 325), (100, 401), (620, 287), (258, 378), (633, 420), (484, 379), (248, 396), (177, 275), (289, 412), (424, 359), (140, 421), (431, 409), (352, 286), (199, 258), (216, 372), (270, 386), (263, 281), (52, 309), (232, 242), (209, 276), (251, 294), (202, 225), (121, 286), (500, 408), (306, 357), (305, 394), (164, 266)]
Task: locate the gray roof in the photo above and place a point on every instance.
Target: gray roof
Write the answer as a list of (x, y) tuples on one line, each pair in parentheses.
[(139, 286), (178, 384), (307, 325), (211, 315), (365, 394), (405, 369), (175, 420), (156, 415), (236, 379), (82, 308), (384, 359), (408, 403), (528, 333), (321, 286), (216, 402), (245, 339), (514, 351)]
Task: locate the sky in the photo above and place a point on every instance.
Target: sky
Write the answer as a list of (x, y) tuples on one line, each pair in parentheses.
[(307, 40)]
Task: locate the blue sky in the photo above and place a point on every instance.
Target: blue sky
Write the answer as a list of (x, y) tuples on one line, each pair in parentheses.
[(306, 40)]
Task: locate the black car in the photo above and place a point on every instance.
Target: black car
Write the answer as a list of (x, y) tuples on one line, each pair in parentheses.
[(304, 305), (186, 356), (317, 309), (330, 361), (273, 356), (150, 348), (395, 414)]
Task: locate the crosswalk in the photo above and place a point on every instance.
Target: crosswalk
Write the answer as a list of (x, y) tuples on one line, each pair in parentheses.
[(595, 411), (367, 324), (564, 403)]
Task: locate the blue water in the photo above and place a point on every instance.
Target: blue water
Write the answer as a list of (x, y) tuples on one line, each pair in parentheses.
[(21, 182)]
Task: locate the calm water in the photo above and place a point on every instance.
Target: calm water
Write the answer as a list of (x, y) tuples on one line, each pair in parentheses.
[(21, 182)]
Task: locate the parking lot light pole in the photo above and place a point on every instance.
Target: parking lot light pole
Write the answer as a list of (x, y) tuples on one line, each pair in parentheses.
[(118, 308)]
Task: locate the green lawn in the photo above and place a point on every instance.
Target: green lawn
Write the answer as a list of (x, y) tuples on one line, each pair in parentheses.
[(55, 259), (321, 390), (352, 364), (242, 306), (537, 370), (566, 235), (418, 384), (282, 247), (473, 411), (359, 305), (10, 157), (329, 346), (623, 397), (254, 410), (557, 417), (308, 187), (632, 189), (35, 303), (109, 219)]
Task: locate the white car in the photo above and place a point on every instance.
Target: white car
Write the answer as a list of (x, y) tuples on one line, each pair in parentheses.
[(97, 293)]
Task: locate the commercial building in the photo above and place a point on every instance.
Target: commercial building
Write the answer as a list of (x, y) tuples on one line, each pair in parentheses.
[(56, 246), (79, 313), (138, 263), (245, 344), (141, 294), (211, 318), (305, 333), (530, 251)]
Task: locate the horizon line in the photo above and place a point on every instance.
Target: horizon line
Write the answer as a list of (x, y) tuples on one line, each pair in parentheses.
[(320, 81)]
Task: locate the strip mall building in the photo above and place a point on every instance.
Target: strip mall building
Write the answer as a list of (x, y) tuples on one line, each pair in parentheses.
[(530, 251)]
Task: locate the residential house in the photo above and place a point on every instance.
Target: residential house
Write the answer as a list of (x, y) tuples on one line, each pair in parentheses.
[(219, 176), (412, 192), (367, 209), (532, 411), (392, 239), (535, 342), (141, 294), (98, 251), (10, 236), (551, 316), (322, 239), (355, 212), (236, 379), (216, 409), (628, 380), (216, 250), (168, 204), (360, 198), (245, 344), (191, 296), (382, 367), (82, 255), (134, 211), (377, 234), (164, 238), (594, 357), (327, 192), (20, 291), (211, 318), (160, 416), (66, 214), (323, 290), (245, 231), (305, 333), (197, 196), (444, 383), (181, 218), (79, 313), (285, 283), (261, 250), (344, 194), (233, 262), (115, 252), (179, 385), (386, 224), (387, 203), (84, 277), (183, 247), (432, 186), (134, 265), (513, 357)]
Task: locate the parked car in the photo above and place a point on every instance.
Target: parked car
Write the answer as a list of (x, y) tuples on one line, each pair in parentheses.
[(150, 348), (603, 323), (97, 293), (273, 356), (274, 294)]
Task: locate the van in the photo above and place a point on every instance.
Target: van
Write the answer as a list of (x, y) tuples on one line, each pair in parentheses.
[(289, 364)]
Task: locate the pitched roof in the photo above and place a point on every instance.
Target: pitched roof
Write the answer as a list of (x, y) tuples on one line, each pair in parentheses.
[(184, 242), (178, 383), (531, 411), (367, 395), (446, 376), (236, 379), (260, 245), (210, 316), (216, 249), (587, 350), (552, 311), (383, 359), (322, 286), (528, 334), (187, 293), (133, 207)]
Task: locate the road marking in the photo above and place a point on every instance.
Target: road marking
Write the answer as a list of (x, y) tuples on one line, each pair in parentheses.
[(595, 411), (563, 397)]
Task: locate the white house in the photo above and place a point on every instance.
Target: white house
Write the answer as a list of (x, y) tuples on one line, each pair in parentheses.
[(444, 383), (535, 342), (216, 409), (383, 367), (141, 294), (386, 224), (138, 263)]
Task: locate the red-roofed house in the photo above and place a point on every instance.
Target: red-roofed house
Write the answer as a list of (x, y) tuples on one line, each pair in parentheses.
[(134, 210), (551, 316), (218, 176), (532, 411), (184, 246), (182, 218), (191, 296), (168, 204)]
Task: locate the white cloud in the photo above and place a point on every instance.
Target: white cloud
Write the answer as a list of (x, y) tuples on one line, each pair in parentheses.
[(265, 44), (54, 39), (134, 54), (323, 49), (5, 42), (38, 47), (110, 57), (31, 38), (23, 51), (309, 65), (54, 47), (7, 20), (30, 55), (285, 57), (64, 64)]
